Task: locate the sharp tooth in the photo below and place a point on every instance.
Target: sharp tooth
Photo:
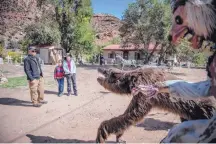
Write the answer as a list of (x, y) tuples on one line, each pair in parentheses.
[(188, 36), (204, 44), (199, 39)]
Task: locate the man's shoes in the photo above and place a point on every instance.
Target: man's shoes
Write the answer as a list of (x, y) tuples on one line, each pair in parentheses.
[(43, 102), (37, 105), (75, 94), (68, 94)]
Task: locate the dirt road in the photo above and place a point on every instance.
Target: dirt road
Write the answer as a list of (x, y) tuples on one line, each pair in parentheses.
[(76, 119)]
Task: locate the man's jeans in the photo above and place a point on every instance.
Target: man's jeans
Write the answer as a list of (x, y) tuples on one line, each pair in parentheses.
[(71, 78), (60, 85)]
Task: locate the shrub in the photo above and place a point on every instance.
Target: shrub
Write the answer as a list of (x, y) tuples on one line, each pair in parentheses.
[(24, 45), (2, 52), (42, 34), (15, 56), (199, 59)]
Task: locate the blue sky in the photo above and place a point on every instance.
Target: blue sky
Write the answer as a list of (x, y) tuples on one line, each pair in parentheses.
[(114, 7)]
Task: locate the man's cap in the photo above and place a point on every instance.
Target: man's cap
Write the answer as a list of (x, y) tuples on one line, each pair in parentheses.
[(30, 48)]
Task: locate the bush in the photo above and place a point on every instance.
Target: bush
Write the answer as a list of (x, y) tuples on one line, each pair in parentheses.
[(24, 45), (199, 59), (89, 59), (15, 56), (43, 34), (2, 52)]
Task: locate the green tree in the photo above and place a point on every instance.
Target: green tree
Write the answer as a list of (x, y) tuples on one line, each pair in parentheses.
[(73, 17), (1, 51), (66, 21), (199, 59), (84, 34), (24, 45), (41, 33), (143, 22), (184, 52)]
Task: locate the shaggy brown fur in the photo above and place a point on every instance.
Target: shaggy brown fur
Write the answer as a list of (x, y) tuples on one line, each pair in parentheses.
[(121, 82)]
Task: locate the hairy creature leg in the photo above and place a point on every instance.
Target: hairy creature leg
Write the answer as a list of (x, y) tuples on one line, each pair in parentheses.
[(135, 112), (118, 138)]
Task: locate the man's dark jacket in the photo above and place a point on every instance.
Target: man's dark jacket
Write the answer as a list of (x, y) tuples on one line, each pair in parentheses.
[(31, 67)]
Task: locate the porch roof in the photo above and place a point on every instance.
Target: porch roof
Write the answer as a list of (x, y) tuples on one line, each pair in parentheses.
[(117, 47)]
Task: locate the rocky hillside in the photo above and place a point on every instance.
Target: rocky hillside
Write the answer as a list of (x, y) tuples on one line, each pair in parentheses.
[(106, 27), (15, 15)]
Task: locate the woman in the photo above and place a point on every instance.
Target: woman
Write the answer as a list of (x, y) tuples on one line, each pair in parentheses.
[(70, 74)]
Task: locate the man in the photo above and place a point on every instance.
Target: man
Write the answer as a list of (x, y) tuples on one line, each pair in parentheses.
[(34, 74), (70, 73), (101, 59)]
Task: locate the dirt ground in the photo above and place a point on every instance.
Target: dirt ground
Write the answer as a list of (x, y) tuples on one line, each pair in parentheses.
[(76, 119)]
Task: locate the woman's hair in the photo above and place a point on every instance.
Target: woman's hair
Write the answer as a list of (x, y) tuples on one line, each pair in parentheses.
[(210, 60)]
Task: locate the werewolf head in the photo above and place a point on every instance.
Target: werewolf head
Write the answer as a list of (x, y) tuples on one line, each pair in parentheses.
[(114, 80), (122, 82), (194, 17)]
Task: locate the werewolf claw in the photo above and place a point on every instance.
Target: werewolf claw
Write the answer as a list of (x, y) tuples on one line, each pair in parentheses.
[(101, 70), (121, 141)]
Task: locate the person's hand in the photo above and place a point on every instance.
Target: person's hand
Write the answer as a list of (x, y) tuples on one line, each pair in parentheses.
[(148, 90), (32, 82)]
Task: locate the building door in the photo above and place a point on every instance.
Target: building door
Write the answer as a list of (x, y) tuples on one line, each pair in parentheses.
[(44, 55), (125, 55)]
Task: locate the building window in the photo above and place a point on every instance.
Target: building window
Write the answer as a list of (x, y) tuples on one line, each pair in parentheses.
[(137, 56), (125, 55), (111, 55)]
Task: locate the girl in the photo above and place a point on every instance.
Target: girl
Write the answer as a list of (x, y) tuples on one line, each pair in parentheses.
[(59, 76)]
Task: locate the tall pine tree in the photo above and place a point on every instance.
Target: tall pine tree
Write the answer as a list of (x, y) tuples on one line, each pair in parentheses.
[(74, 18)]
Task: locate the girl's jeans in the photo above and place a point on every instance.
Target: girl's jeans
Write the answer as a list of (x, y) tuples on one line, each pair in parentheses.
[(60, 85)]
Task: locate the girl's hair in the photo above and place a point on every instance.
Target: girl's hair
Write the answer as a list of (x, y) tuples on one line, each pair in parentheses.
[(210, 60)]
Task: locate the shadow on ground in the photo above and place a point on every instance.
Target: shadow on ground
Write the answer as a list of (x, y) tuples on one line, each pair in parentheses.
[(52, 92), (47, 139), (151, 124), (104, 92), (15, 102)]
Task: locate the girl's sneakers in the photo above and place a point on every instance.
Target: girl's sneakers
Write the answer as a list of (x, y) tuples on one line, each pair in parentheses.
[(60, 94)]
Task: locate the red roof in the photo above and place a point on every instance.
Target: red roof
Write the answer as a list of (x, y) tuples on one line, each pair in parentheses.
[(116, 47)]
